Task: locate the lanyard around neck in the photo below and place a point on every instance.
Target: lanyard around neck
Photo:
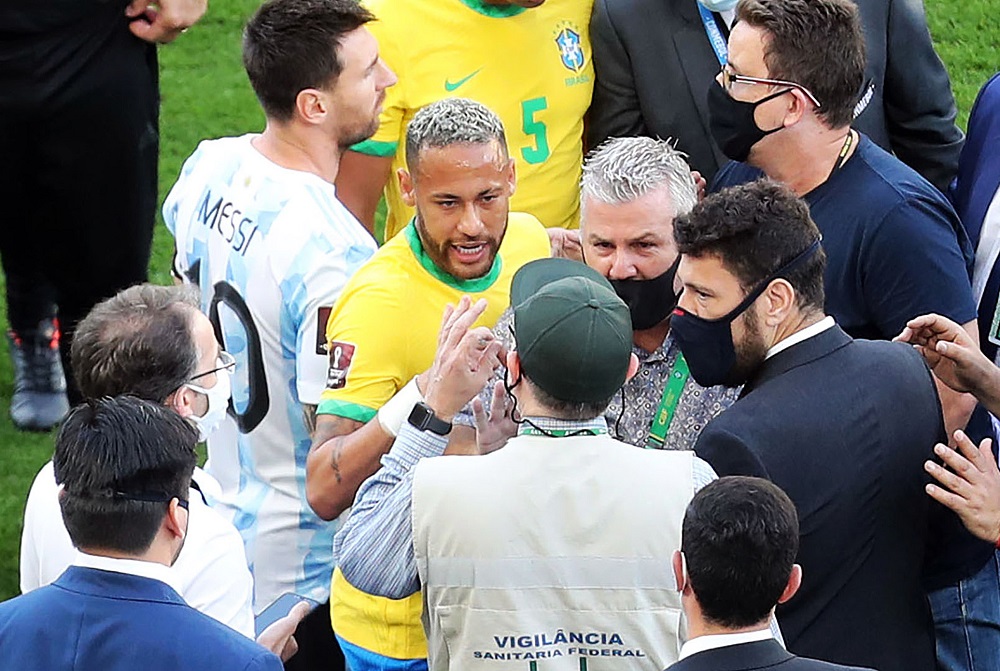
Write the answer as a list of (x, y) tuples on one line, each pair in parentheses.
[(529, 429), (679, 374), (715, 37), (845, 149)]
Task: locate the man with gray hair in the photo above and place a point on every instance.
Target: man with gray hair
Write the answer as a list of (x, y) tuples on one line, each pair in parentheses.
[(383, 333), (631, 191)]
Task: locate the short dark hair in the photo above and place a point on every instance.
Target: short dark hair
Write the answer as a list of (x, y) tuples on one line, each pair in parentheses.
[(291, 45), (111, 451), (560, 409), (138, 342), (815, 43), (739, 537), (755, 229)]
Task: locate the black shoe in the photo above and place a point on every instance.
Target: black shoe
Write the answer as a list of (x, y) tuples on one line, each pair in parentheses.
[(39, 401)]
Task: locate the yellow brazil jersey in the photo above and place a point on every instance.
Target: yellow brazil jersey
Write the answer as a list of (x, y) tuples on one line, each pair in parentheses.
[(383, 329), (531, 66)]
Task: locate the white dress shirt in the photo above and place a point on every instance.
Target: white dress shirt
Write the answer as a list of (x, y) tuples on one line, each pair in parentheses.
[(988, 249), (799, 336), (210, 573), (143, 569), (713, 641)]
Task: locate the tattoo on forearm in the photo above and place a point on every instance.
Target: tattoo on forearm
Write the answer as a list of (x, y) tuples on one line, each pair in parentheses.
[(335, 461)]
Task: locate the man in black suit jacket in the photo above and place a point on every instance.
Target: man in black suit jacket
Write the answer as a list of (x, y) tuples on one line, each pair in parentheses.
[(654, 63), (843, 426), (729, 596)]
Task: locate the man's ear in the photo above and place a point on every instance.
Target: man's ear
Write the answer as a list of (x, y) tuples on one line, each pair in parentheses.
[(798, 103), (680, 575), (513, 366), (779, 301), (633, 367), (406, 187), (794, 582), (176, 520), (311, 106), (180, 402), (511, 176)]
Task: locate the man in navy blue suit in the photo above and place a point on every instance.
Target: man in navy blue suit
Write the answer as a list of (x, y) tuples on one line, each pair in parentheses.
[(125, 469), (736, 563), (843, 426)]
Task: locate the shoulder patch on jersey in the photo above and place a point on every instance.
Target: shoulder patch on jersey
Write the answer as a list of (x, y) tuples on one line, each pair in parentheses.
[(322, 317), (341, 355)]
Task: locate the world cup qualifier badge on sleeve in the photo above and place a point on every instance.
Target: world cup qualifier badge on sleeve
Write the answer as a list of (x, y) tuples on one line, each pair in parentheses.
[(341, 355)]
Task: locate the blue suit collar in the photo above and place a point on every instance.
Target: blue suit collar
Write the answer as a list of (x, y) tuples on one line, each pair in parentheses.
[(96, 582)]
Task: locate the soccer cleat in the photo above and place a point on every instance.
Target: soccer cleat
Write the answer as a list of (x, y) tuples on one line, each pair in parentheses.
[(39, 400)]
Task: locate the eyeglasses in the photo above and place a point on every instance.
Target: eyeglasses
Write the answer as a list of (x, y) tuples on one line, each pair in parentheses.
[(225, 361), (729, 78)]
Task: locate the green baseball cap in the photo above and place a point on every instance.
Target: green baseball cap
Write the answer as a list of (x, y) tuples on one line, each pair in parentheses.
[(572, 332)]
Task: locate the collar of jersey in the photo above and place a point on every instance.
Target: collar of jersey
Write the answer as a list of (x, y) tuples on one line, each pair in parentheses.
[(470, 286), (493, 11)]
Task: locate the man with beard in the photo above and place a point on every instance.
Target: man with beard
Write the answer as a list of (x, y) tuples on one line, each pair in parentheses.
[(259, 228), (383, 333), (895, 247), (843, 426), (632, 190)]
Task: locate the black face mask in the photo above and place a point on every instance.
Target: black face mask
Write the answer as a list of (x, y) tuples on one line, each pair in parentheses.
[(732, 124), (707, 344), (649, 301)]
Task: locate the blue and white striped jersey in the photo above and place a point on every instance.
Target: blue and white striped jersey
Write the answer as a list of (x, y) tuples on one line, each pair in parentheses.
[(271, 249)]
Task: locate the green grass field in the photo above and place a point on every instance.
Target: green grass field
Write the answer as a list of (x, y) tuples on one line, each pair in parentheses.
[(205, 94)]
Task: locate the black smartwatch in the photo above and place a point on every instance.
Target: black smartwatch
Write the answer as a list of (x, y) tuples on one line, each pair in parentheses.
[(424, 419)]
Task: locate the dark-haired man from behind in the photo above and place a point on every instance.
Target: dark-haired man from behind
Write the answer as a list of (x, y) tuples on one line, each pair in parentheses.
[(125, 468), (739, 539), (153, 343), (843, 426)]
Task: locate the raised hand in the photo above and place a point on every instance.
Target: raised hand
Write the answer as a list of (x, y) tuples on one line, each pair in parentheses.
[(465, 360), (951, 353), (493, 431)]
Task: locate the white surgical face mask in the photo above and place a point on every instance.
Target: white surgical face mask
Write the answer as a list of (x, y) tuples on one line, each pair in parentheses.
[(218, 403), (718, 5)]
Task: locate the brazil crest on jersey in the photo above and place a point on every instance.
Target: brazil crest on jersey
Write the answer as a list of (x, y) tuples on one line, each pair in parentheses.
[(531, 66)]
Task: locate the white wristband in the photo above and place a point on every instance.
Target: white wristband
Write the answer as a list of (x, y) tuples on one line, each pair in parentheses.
[(395, 411)]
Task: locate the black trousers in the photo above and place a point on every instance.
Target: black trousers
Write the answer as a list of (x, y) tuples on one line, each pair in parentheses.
[(318, 647), (79, 140)]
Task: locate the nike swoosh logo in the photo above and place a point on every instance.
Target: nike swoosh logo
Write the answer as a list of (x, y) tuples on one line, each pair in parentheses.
[(451, 86)]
